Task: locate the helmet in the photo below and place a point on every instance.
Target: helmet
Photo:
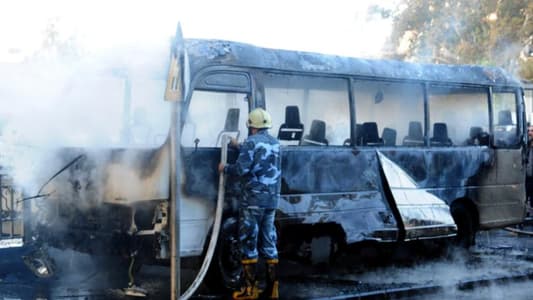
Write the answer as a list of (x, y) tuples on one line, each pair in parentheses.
[(259, 118)]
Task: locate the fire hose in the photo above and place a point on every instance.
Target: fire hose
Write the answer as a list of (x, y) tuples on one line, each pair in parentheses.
[(216, 226)]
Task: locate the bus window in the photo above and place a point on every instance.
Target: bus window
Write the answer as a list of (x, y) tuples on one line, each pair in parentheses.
[(321, 105), (210, 114), (458, 116), (396, 109), (528, 99), (146, 128), (504, 119)]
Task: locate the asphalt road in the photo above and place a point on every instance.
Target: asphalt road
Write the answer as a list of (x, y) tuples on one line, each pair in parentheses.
[(497, 253)]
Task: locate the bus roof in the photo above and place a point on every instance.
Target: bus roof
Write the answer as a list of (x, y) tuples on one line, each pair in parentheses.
[(207, 53)]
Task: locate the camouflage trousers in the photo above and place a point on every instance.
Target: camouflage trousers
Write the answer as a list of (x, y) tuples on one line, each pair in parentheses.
[(257, 233)]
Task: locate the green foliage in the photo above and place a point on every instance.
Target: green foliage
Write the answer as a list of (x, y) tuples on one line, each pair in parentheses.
[(526, 70), (486, 32)]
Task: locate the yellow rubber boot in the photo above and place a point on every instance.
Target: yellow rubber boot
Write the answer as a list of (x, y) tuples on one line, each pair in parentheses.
[(250, 289), (272, 282)]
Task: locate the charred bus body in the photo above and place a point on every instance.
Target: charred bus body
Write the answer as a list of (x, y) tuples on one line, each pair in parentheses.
[(446, 131), (374, 150)]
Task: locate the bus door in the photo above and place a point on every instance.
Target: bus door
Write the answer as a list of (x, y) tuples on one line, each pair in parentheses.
[(506, 204), (210, 114)]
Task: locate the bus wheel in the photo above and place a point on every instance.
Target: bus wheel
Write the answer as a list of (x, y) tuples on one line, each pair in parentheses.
[(225, 271), (465, 225)]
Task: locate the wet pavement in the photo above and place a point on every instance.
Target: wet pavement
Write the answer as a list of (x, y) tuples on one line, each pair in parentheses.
[(498, 253)]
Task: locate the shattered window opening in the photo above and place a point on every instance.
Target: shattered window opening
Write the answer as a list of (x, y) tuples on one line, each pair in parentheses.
[(322, 106)]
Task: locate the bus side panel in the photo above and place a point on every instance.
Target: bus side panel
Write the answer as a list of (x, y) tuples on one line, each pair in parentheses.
[(336, 185), (423, 215), (492, 179), (448, 173), (425, 181)]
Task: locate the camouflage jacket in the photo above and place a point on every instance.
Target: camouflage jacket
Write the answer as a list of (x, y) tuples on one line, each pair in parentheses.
[(259, 165)]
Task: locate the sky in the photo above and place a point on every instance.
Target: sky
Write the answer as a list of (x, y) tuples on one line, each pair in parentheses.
[(342, 27), (135, 36)]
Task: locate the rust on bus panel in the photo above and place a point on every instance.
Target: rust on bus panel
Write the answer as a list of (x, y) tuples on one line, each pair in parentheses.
[(400, 194)]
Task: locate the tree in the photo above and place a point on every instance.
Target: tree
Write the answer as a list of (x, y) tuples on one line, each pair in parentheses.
[(486, 32), (57, 45)]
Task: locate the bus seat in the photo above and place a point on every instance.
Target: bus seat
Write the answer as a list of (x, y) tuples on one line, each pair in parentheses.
[(292, 129), (505, 118), (440, 135), (473, 136), (475, 131), (317, 134), (478, 136), (505, 133), (231, 126), (415, 136), (370, 134), (347, 142), (389, 136)]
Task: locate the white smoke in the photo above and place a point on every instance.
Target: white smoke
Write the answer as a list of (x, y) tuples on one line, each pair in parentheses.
[(96, 101)]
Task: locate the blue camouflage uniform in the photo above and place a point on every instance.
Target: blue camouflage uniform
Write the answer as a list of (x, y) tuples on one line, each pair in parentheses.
[(259, 165)]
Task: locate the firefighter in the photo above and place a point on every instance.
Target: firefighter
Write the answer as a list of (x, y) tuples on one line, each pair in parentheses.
[(259, 167)]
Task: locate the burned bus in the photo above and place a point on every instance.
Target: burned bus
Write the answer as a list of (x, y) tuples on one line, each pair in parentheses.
[(372, 150)]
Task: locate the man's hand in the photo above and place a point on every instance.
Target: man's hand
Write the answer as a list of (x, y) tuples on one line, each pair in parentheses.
[(221, 168), (234, 143)]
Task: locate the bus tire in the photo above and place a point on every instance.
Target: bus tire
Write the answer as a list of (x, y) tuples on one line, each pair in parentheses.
[(225, 271), (465, 225)]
